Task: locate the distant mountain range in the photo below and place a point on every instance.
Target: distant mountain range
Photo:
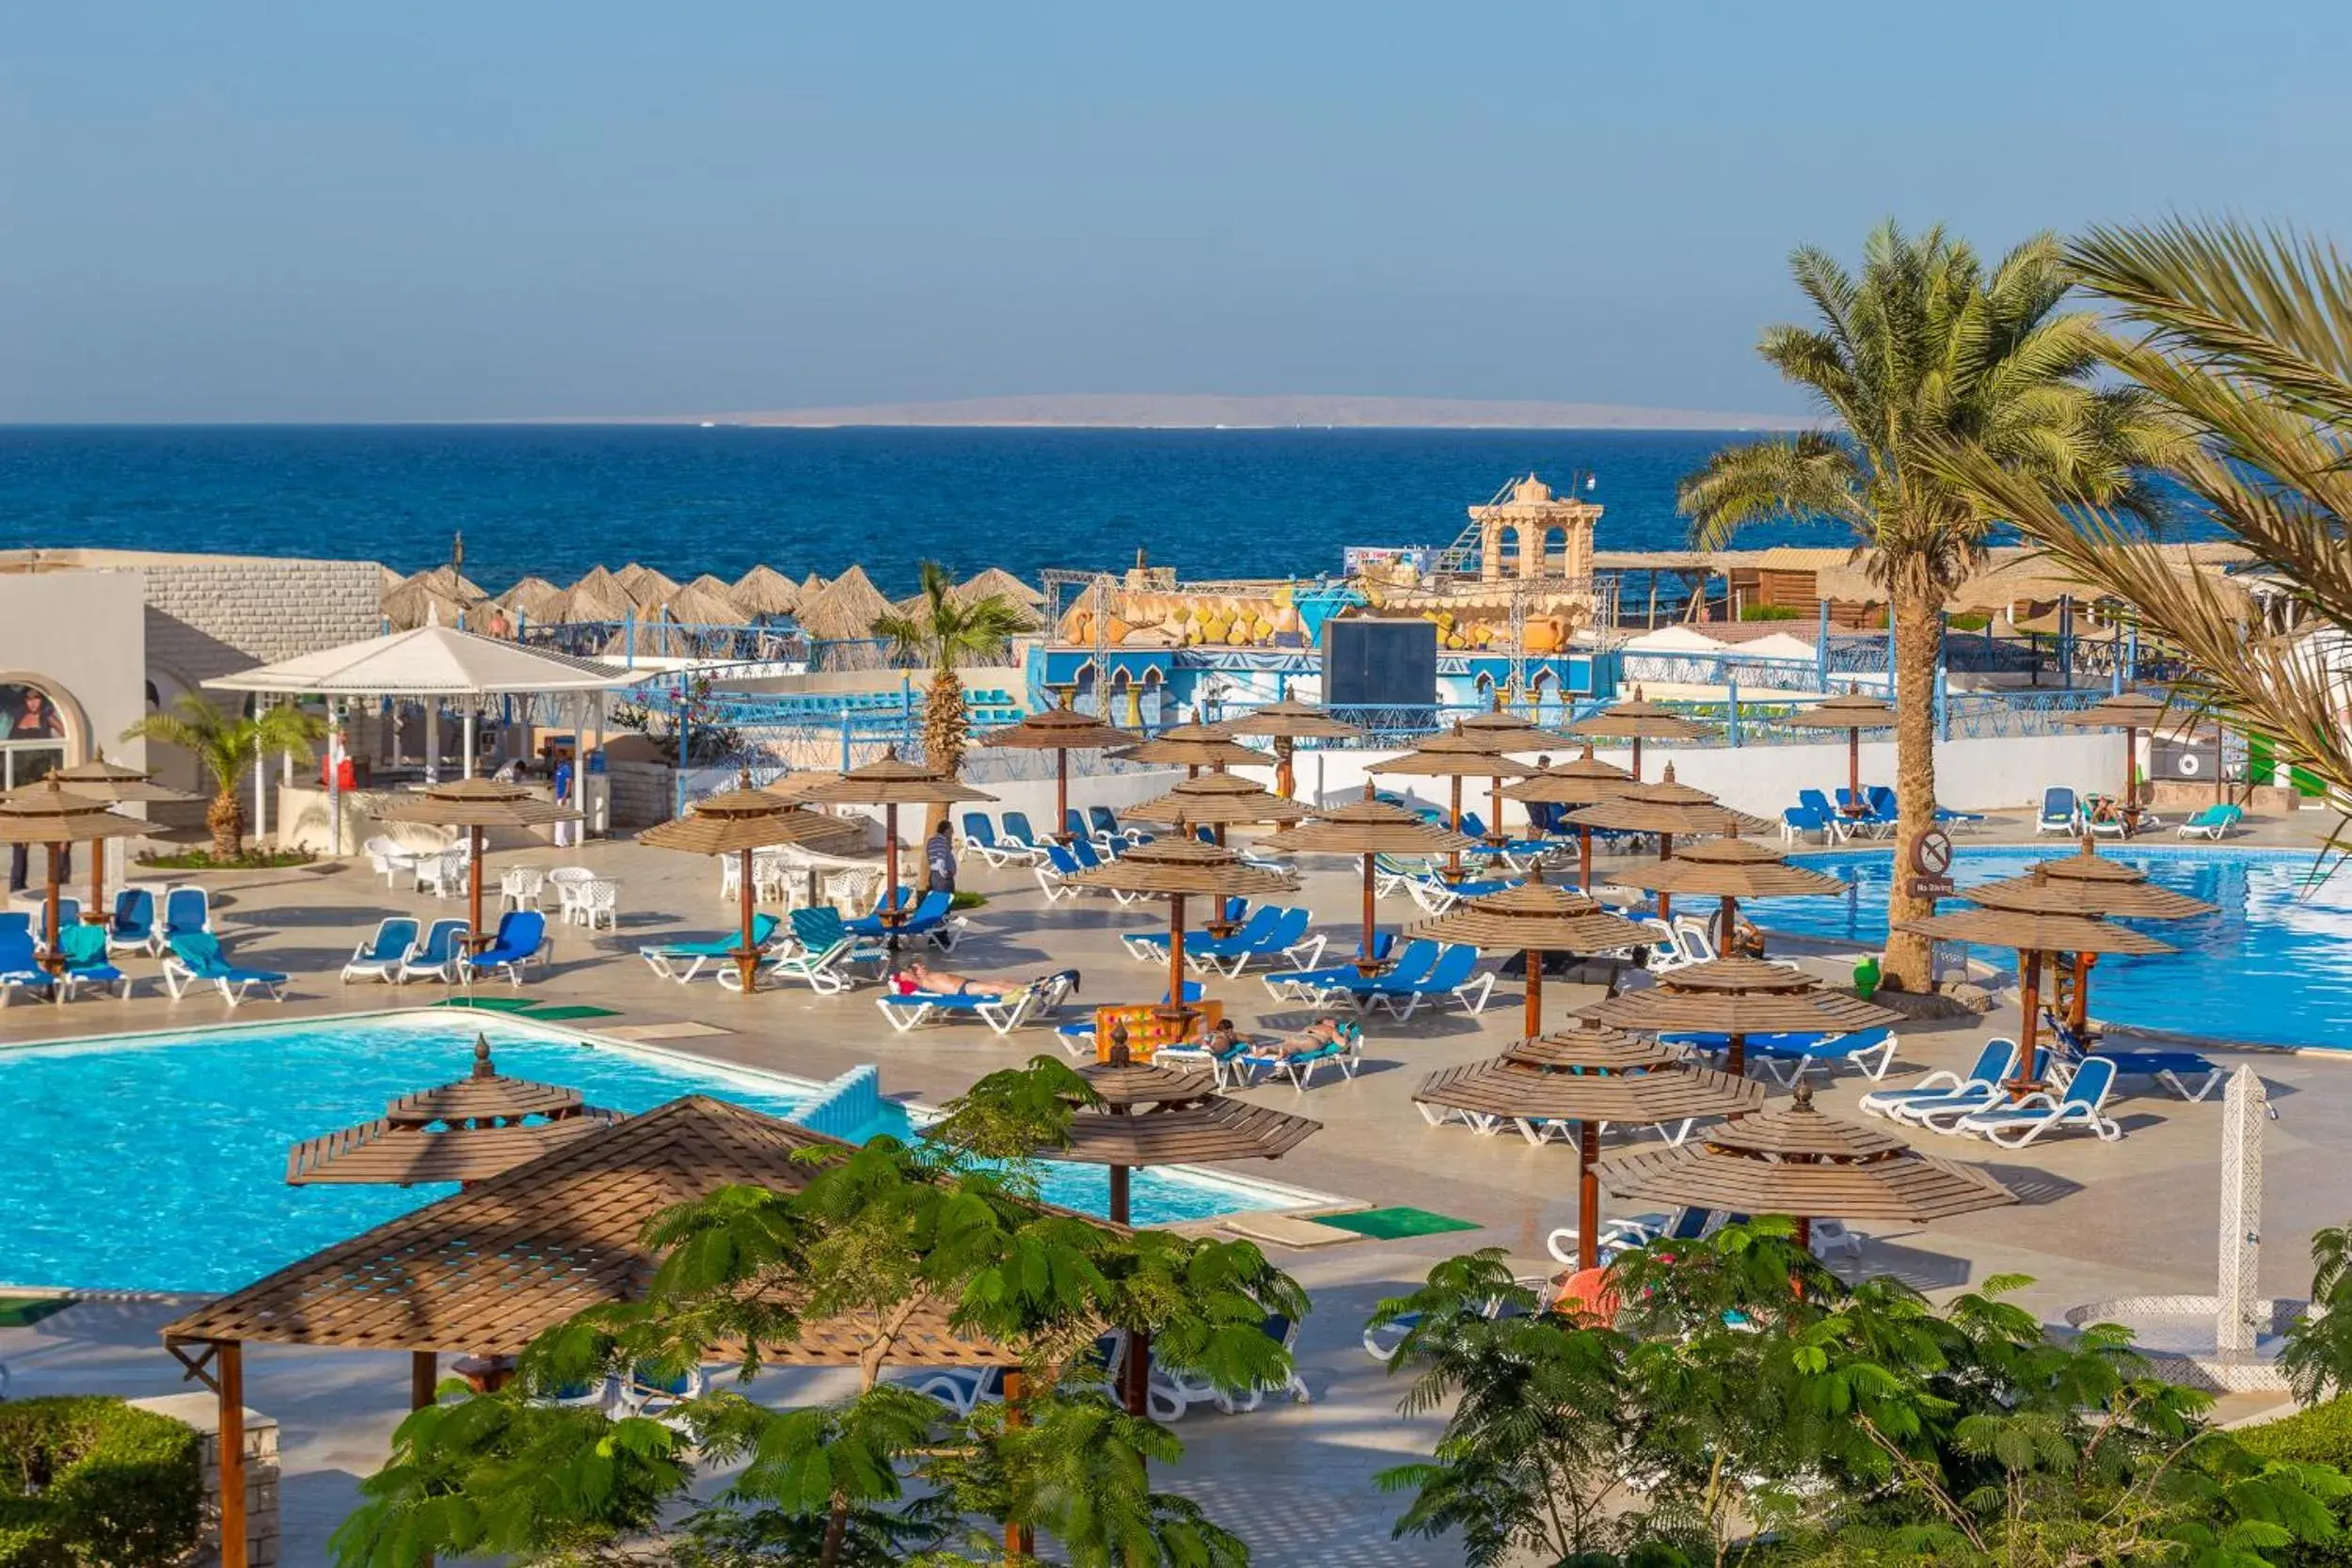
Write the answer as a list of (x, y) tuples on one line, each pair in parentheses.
[(1208, 411)]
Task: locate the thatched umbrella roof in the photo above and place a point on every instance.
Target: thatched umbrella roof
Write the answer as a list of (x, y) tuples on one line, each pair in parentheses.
[(2045, 891), (1793, 1160), (1368, 827), (1061, 728), (530, 597), (845, 610), (1184, 868), (1220, 799), (1293, 720), (765, 590), (597, 596), (1659, 1011), (739, 819), (472, 804), (811, 584), (1195, 746), (1581, 781), (439, 594), (888, 781), (1510, 731), (1001, 583), (1147, 1115), (1641, 719), (2030, 932), (1732, 869), (1665, 807), (704, 602), (1741, 974), (1589, 1075), (1535, 917), (45, 812), (112, 783), (481, 1126), (1849, 711), (2124, 710), (644, 584), (1454, 753)]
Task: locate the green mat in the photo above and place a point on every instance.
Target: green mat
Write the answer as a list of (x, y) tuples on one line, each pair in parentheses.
[(20, 1311), (1389, 1224), (559, 1015), (492, 1004)]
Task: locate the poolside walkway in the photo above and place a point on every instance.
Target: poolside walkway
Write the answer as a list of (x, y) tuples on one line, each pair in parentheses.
[(2100, 1219)]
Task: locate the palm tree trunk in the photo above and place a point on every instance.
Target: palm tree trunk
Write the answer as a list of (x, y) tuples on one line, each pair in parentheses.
[(1918, 611), (944, 723), (226, 819)]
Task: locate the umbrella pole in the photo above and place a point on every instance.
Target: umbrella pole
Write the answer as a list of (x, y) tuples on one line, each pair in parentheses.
[(1285, 779), (1735, 1055), (1365, 964), (1454, 861), (2079, 1012), (1534, 994), (1174, 1011), (1587, 1195), (473, 879), (1061, 794), (890, 876), (1637, 759), (1853, 765), (2131, 788), (96, 913), (1139, 1373), (746, 960), (1118, 1195), (1495, 834), (2030, 996), (53, 960), (1730, 919), (1665, 901), (1584, 856)]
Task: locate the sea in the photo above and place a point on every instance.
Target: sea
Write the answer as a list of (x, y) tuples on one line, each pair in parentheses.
[(556, 500)]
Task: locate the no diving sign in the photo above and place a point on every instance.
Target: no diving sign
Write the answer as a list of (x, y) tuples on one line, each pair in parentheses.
[(1931, 864)]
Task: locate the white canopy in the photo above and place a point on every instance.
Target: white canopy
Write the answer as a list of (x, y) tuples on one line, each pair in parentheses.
[(430, 661)]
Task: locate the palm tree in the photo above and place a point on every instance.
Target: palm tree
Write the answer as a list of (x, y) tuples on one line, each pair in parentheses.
[(1924, 353), (2247, 341), (946, 633), (225, 746)]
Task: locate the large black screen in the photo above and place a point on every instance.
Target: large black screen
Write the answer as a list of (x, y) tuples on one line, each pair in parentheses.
[(1374, 663)]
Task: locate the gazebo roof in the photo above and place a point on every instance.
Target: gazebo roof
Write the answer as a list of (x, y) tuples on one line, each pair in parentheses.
[(1793, 1160), (429, 661), (1535, 916), (1369, 827), (484, 1270), (483, 1130), (1295, 720), (889, 780), (1220, 799)]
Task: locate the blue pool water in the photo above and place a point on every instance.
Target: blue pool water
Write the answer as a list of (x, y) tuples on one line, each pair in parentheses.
[(159, 1163), (2272, 966)]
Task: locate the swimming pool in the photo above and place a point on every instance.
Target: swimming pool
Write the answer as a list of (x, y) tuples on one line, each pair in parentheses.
[(2273, 966), (158, 1163)]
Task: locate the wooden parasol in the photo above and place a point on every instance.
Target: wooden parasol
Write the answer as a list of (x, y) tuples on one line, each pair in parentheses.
[(1453, 755), (1193, 747), (1796, 1160), (1177, 868), (474, 804), (1287, 723), (739, 822), (1590, 1077), (2131, 712), (1736, 1014), (1731, 869), (1852, 712), (888, 783), (481, 1126), (2033, 934), (1060, 730), (1664, 808), (1218, 802), (47, 812), (1368, 828), (1533, 919), (101, 780), (1638, 721), (1581, 781)]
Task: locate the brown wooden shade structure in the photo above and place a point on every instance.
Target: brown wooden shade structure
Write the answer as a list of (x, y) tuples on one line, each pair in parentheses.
[(481, 1126), (1853, 712), (45, 812), (1061, 730), (1663, 1009), (1731, 869), (1533, 919), (1795, 1160), (1177, 868), (1581, 781), (116, 784), (1664, 808), (1453, 755), (1193, 747), (1287, 723), (739, 822), (889, 782), (2032, 935), (2131, 712), (1220, 801), (1369, 827), (1637, 720), (2087, 883), (474, 804), (484, 1270), (1589, 1076)]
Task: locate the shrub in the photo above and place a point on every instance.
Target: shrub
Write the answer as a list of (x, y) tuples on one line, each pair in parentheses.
[(2321, 1435), (87, 1481), (1770, 612)]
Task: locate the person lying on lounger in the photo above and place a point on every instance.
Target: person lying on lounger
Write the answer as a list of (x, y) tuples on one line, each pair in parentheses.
[(1322, 1033), (920, 976)]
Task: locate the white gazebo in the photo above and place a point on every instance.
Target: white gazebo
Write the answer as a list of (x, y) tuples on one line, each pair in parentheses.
[(435, 664)]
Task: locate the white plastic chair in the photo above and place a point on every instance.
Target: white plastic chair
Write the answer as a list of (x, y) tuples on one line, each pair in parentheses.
[(568, 880), (598, 904), (520, 887), (387, 860), (444, 875)]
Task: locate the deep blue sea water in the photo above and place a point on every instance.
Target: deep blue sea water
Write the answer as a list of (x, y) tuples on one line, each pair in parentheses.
[(557, 500)]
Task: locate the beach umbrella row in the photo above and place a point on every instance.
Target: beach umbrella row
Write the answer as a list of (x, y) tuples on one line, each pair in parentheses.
[(846, 607)]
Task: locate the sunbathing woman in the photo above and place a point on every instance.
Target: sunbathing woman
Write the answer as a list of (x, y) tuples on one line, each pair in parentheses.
[(918, 977), (1318, 1035)]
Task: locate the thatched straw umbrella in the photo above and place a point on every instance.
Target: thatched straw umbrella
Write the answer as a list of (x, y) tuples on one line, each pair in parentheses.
[(113, 784), (704, 602), (1218, 802), (1370, 828), (890, 784), (845, 610), (440, 594), (1195, 747), (48, 812), (1664, 808), (1852, 712), (1638, 721), (1732, 869), (1515, 733), (1589, 1077), (1142, 1116), (1289, 722), (1177, 868), (1735, 1003), (765, 590), (1454, 755), (1060, 730), (474, 804), (644, 584), (2131, 712), (531, 598), (997, 582), (597, 596), (1532, 920), (1581, 781), (2033, 935), (481, 1126), (737, 822), (1795, 1160)]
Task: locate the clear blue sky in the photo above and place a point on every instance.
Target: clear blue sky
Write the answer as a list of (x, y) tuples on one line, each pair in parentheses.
[(235, 211)]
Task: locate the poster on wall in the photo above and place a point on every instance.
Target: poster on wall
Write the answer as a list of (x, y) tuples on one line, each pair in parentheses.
[(27, 714), (1388, 564)]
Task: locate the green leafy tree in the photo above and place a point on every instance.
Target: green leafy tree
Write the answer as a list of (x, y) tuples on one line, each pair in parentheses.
[(225, 746), (946, 633), (1925, 352), (2243, 339), (2319, 1353), (879, 1244)]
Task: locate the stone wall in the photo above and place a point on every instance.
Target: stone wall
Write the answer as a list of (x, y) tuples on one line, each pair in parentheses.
[(262, 1526), (209, 616), (643, 793)]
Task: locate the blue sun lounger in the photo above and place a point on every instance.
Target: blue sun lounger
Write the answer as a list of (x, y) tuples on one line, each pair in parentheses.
[(682, 960), (195, 959), (83, 950), (521, 939)]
